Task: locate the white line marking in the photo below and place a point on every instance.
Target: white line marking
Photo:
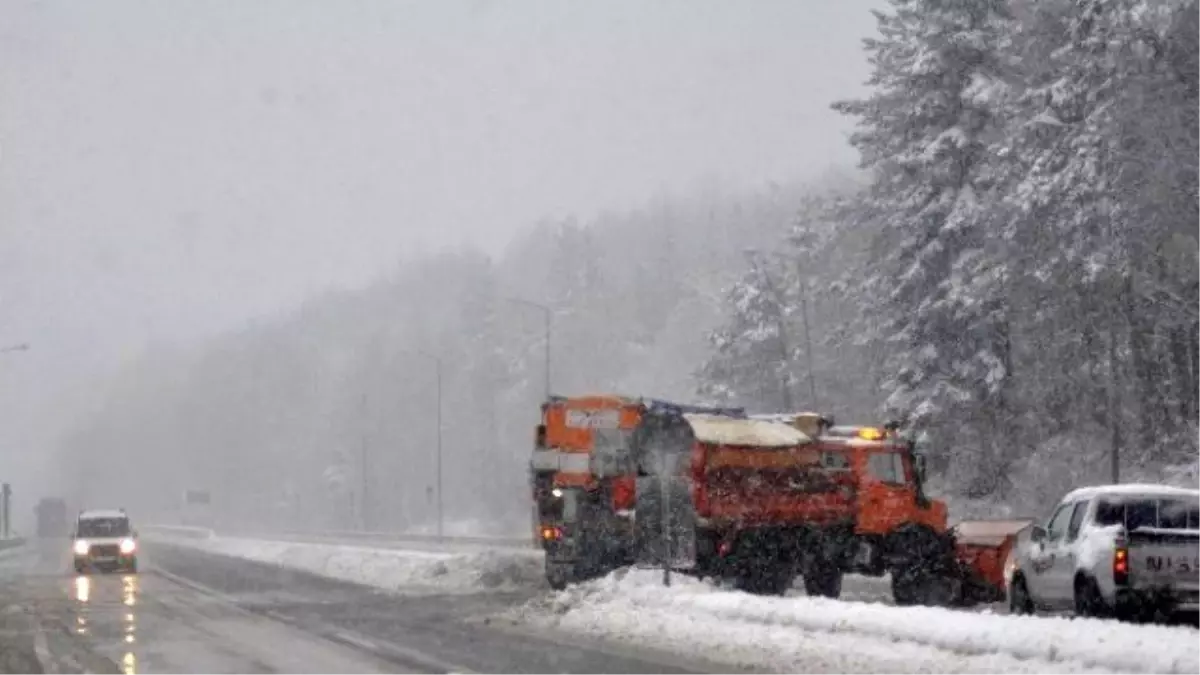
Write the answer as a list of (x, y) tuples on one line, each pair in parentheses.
[(356, 640)]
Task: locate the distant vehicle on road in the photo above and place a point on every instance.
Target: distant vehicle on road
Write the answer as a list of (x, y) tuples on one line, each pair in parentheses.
[(1130, 551), (52, 518), (104, 540)]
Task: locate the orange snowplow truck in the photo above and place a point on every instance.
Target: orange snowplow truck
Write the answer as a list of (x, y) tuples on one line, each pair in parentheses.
[(895, 528), (746, 500), (584, 481)]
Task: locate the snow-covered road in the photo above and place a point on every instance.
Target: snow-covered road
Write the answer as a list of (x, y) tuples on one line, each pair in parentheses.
[(792, 634)]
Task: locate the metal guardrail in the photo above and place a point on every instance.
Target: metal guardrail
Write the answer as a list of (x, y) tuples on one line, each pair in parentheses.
[(185, 531), (507, 542), (343, 536)]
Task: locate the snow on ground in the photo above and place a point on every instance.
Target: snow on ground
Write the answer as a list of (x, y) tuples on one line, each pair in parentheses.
[(801, 634), (390, 569), (470, 528)]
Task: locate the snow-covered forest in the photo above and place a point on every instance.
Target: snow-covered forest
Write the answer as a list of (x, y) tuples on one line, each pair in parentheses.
[(1014, 271), (274, 419)]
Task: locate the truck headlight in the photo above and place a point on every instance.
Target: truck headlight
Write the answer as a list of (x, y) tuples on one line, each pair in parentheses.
[(81, 547), (127, 545)]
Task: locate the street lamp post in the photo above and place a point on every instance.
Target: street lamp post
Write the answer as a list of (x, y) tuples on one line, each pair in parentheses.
[(362, 466), (5, 489), (440, 503), (546, 314)]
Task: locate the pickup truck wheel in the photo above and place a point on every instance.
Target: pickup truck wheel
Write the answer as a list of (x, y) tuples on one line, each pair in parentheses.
[(1019, 601), (1088, 601)]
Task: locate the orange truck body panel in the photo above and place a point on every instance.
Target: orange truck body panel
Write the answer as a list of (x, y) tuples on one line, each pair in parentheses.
[(575, 436), (986, 545), (754, 486)]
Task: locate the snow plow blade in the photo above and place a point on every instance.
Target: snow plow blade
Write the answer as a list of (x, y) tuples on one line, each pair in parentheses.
[(983, 548)]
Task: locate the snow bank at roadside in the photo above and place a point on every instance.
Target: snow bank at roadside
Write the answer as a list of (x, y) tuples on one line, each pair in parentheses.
[(390, 569), (804, 634)]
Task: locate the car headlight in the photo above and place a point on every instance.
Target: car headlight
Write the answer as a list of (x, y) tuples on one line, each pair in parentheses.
[(127, 546), (81, 547)]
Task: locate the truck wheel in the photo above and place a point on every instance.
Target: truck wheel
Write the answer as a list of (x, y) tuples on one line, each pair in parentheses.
[(765, 582), (918, 587), (824, 581), (1019, 601), (559, 575), (1089, 601)]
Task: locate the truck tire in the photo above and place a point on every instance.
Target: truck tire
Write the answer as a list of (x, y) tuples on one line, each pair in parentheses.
[(1088, 602), (765, 581), (915, 586), (924, 571), (1019, 601), (559, 575), (823, 581)]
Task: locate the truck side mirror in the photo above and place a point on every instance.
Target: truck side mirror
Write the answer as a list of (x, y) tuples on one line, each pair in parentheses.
[(919, 464), (1037, 533)]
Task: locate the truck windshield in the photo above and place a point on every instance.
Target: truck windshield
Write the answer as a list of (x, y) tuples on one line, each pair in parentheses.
[(104, 527), (1133, 513)]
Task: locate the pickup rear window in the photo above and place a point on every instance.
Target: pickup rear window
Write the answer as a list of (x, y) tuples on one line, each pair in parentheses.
[(1175, 514)]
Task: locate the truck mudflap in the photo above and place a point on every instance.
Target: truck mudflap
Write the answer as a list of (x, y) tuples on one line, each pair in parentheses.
[(983, 549)]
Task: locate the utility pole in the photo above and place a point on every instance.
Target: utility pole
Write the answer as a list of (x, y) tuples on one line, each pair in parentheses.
[(6, 489), (362, 464), (6, 497), (664, 493), (441, 515), (546, 363)]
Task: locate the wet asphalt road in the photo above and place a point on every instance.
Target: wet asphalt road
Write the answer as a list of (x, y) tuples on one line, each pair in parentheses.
[(56, 621), (191, 612)]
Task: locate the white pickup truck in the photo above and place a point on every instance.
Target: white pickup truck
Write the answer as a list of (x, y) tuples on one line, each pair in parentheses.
[(1129, 551)]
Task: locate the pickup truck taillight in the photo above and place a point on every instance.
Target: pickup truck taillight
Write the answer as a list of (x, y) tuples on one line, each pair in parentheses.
[(1120, 565)]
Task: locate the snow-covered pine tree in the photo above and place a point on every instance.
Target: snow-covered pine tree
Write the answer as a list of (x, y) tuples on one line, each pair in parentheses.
[(923, 132), (752, 360), (1093, 239)]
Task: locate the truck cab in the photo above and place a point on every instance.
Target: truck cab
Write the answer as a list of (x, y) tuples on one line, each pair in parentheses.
[(104, 540)]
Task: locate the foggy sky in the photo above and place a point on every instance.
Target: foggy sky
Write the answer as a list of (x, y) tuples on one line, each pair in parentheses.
[(169, 169)]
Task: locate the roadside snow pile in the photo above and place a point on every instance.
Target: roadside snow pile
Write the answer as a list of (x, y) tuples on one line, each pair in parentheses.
[(470, 528), (390, 569), (816, 634)]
